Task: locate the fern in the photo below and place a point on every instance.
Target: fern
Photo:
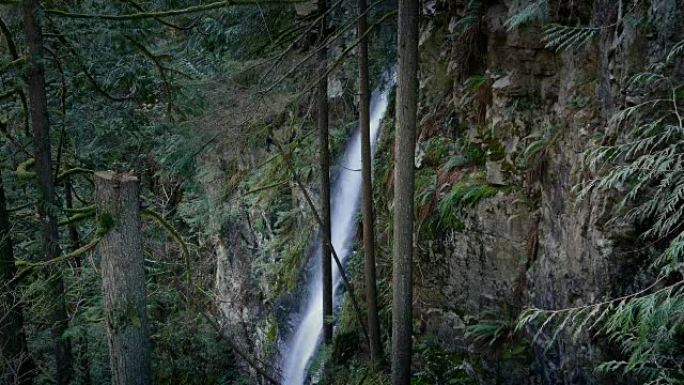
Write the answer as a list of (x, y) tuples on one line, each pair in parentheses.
[(535, 12), (560, 37), (469, 20), (490, 332)]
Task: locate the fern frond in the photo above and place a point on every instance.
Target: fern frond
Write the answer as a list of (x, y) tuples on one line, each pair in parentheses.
[(535, 12), (561, 37), (675, 52)]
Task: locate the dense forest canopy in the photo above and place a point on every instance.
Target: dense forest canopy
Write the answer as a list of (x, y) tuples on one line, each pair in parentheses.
[(341, 192)]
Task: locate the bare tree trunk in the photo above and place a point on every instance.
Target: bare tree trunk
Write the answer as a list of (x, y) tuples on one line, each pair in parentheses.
[(123, 279), (402, 246), (322, 116), (366, 169), (13, 350), (41, 142)]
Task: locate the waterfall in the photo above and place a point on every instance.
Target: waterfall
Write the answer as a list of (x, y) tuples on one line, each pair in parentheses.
[(346, 191)]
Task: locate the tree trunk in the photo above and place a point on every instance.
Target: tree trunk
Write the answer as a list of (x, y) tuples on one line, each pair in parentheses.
[(322, 117), (402, 246), (74, 237), (123, 280), (41, 143), (366, 169), (17, 364)]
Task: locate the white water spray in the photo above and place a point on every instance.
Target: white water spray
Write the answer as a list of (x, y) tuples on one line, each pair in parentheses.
[(301, 347)]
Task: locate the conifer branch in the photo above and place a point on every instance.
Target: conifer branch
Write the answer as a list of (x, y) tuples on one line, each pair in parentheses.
[(80, 216), (83, 249), (177, 237)]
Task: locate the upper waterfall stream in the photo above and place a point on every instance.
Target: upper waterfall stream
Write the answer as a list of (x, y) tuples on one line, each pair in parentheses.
[(296, 354)]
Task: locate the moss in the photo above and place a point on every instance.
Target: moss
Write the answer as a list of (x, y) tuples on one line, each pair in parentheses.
[(495, 150), (475, 153), (105, 222), (437, 149), (23, 169)]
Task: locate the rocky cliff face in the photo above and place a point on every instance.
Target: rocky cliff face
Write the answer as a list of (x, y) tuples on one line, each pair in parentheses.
[(533, 113), (504, 126)]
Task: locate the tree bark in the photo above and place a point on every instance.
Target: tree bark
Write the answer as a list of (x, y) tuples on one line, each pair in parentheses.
[(367, 195), (74, 237), (322, 118), (41, 142), (123, 279), (402, 246), (18, 366)]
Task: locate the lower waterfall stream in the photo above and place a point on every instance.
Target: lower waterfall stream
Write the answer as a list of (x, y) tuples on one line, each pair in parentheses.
[(302, 345)]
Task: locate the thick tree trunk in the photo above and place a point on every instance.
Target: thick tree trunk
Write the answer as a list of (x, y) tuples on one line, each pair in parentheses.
[(322, 117), (41, 142), (17, 365), (123, 280), (402, 247), (366, 169)]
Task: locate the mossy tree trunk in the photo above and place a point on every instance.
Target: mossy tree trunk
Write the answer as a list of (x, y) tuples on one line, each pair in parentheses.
[(367, 196), (326, 236), (123, 279), (404, 175), (40, 127)]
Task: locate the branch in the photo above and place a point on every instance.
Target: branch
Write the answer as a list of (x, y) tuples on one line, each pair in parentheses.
[(76, 170), (262, 188), (306, 58), (155, 60), (22, 169), (339, 59), (347, 50), (62, 104), (13, 63), (172, 12), (8, 93), (26, 264), (10, 41), (78, 217), (80, 209), (90, 77), (12, 47), (166, 23), (177, 237), (250, 361), (278, 58)]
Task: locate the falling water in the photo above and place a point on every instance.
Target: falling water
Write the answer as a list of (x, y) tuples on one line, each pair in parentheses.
[(346, 191)]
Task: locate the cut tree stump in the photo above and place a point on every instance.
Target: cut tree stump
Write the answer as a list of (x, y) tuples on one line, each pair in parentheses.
[(123, 278)]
